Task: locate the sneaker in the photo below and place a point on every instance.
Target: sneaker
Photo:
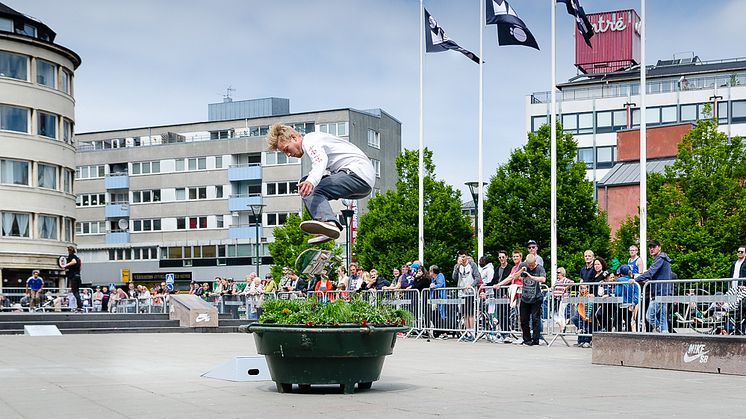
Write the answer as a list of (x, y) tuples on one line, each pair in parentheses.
[(319, 238), (528, 343), (321, 227), (443, 337), (507, 340), (585, 345)]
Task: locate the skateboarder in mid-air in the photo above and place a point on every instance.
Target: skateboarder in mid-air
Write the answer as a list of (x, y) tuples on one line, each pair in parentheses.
[(338, 170)]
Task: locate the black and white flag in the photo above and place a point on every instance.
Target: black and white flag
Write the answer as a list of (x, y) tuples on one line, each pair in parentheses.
[(510, 28), (584, 25), (437, 41)]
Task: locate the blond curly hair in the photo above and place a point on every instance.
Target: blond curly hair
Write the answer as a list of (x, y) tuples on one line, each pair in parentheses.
[(277, 135)]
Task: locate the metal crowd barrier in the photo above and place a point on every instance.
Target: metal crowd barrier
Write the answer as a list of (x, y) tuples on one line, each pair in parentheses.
[(48, 301), (150, 305)]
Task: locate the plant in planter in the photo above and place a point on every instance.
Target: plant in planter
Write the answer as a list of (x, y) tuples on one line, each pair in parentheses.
[(341, 342)]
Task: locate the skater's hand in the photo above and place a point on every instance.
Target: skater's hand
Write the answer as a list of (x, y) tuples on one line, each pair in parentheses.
[(305, 188)]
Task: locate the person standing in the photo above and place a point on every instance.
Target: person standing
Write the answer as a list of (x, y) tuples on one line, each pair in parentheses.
[(586, 272), (660, 270), (634, 261), (466, 275), (533, 249), (738, 268), (533, 276), (34, 286), (73, 272)]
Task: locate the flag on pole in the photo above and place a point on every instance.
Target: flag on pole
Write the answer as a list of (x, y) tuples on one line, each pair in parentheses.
[(584, 25), (510, 28), (436, 39)]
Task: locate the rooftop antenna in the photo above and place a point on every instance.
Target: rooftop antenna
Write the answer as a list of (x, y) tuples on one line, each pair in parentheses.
[(227, 96)]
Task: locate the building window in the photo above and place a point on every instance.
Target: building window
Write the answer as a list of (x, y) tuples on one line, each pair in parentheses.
[(605, 157), (90, 227), (197, 193), (13, 66), (48, 227), (197, 163), (276, 158), (90, 200), (193, 223), (47, 176), (278, 218), (374, 139), (303, 127), (570, 122), (14, 172), (218, 191), (146, 225), (68, 180), (15, 224), (68, 230), (538, 121), (180, 194), (335, 128), (181, 223), (376, 166), (282, 188), (668, 114), (67, 131), (179, 165), (688, 112), (13, 118), (153, 195), (585, 155), (90, 172), (47, 125), (258, 131), (218, 162), (585, 123), (144, 253), (146, 167), (738, 111), (46, 73), (221, 134), (6, 25), (66, 81)]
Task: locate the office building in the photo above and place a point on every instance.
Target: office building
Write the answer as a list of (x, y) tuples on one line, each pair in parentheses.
[(178, 198), (37, 156)]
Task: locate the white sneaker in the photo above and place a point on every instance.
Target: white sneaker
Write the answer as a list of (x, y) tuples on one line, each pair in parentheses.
[(319, 238), (321, 227)]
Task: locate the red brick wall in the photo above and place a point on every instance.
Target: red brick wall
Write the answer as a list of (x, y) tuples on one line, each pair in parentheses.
[(623, 201), (661, 141)]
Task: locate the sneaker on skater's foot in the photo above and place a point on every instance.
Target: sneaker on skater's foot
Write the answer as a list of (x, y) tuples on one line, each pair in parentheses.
[(327, 228), (319, 238)]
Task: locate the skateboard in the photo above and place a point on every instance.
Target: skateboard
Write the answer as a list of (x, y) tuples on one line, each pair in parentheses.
[(314, 261)]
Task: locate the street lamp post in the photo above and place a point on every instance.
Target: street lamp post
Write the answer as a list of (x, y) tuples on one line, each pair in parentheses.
[(256, 211), (348, 213), (474, 189)]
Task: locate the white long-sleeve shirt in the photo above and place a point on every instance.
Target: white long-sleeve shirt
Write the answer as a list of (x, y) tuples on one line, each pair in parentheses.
[(330, 153)]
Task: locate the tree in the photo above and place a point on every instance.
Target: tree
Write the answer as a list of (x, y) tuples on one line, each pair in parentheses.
[(388, 233), (517, 207), (290, 241), (697, 209)]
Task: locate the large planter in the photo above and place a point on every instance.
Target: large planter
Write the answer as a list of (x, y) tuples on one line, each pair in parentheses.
[(345, 355)]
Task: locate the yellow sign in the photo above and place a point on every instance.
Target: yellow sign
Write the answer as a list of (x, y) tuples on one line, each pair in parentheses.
[(125, 274)]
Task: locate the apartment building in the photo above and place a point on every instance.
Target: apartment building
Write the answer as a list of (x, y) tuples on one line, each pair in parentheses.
[(198, 199)]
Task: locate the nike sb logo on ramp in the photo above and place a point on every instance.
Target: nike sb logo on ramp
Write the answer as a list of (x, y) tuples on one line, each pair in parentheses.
[(202, 317), (696, 352)]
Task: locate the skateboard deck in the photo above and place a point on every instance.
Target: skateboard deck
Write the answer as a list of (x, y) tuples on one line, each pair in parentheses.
[(313, 261)]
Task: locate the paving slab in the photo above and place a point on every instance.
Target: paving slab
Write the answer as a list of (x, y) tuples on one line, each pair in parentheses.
[(155, 376)]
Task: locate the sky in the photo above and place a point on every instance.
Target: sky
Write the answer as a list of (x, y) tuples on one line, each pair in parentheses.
[(158, 62)]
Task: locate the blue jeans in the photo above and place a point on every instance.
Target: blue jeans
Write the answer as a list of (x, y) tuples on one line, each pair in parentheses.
[(335, 186), (583, 327), (657, 316)]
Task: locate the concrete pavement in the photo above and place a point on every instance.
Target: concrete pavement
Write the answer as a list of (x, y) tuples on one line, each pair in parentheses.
[(158, 375)]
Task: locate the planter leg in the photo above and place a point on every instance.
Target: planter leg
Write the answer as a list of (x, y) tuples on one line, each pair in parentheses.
[(364, 386), (348, 388), (284, 388)]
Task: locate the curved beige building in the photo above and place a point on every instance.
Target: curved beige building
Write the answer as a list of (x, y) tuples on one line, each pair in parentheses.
[(37, 154)]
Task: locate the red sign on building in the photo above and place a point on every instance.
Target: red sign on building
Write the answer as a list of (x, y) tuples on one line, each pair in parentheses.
[(616, 42)]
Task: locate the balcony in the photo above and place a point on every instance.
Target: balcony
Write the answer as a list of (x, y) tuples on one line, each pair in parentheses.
[(117, 210), (117, 181), (252, 171), (242, 202), (244, 232), (119, 237)]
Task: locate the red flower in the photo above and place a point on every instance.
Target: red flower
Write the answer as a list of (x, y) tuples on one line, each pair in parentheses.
[(364, 322), (309, 324), (286, 311), (403, 322)]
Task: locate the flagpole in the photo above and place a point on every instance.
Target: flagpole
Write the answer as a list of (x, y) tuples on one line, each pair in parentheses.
[(480, 201), (553, 147), (421, 170), (643, 143)]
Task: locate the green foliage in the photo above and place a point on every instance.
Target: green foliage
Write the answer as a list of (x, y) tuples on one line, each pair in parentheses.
[(316, 312), (517, 205), (387, 234), (697, 209), (290, 241)]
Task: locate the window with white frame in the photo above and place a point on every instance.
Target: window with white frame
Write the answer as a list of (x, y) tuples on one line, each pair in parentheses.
[(218, 162), (67, 131), (144, 253), (47, 176), (376, 166), (179, 166), (90, 227), (197, 163), (90, 200), (66, 79), (146, 167), (68, 230), (13, 66), (47, 125), (191, 223), (68, 180), (14, 172), (47, 225), (219, 221), (197, 193), (13, 118), (277, 158), (146, 225), (259, 131), (46, 73), (152, 195), (374, 138), (278, 218), (303, 127), (15, 224), (218, 191), (90, 172), (335, 128), (281, 188)]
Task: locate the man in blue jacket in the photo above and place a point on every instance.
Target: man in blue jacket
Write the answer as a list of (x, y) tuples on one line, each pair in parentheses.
[(660, 270)]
